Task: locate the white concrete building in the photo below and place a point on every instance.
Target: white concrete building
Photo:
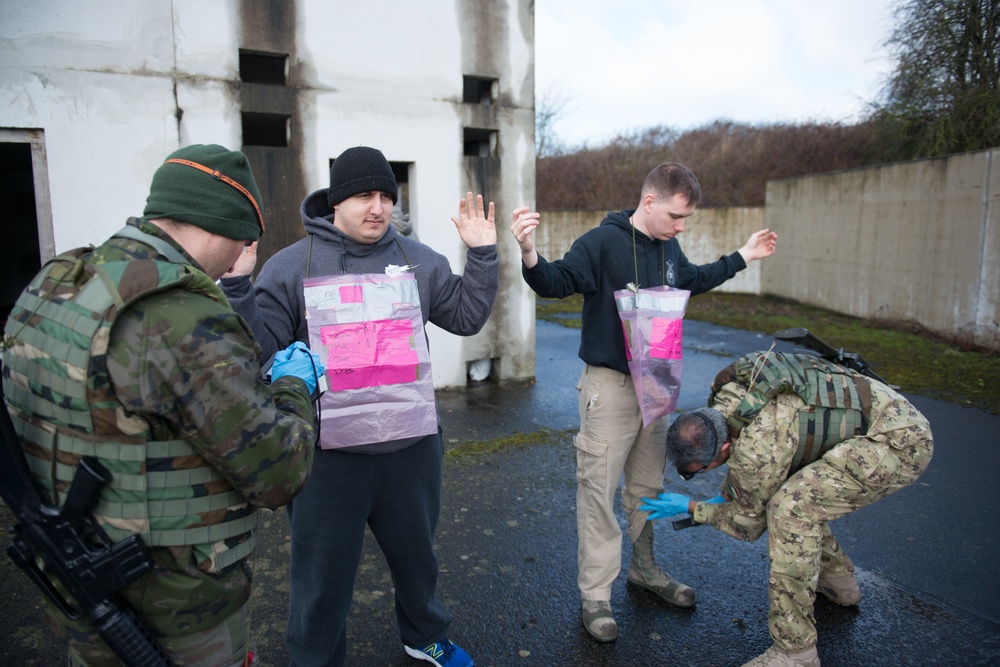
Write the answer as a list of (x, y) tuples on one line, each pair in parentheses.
[(95, 93)]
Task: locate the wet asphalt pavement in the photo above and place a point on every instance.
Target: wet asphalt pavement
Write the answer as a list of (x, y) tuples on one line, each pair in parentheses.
[(925, 557)]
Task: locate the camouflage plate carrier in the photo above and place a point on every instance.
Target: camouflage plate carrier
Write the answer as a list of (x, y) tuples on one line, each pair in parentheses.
[(60, 396), (838, 400)]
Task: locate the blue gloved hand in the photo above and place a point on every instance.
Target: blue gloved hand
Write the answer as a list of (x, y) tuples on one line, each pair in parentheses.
[(298, 361), (718, 500), (669, 504)]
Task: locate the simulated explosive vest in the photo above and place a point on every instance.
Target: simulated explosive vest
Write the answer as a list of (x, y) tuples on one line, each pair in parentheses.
[(838, 400), (59, 393)]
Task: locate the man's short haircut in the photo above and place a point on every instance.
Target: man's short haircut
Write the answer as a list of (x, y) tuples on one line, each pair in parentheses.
[(669, 179), (696, 437)]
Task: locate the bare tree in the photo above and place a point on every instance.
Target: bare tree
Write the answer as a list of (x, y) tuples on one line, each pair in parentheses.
[(550, 106), (944, 94)]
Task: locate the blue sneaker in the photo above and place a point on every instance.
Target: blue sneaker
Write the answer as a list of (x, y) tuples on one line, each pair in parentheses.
[(442, 654)]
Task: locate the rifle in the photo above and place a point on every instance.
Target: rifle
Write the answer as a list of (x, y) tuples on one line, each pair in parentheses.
[(801, 336), (76, 551)]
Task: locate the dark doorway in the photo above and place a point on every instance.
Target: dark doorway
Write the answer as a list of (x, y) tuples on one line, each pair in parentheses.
[(21, 259)]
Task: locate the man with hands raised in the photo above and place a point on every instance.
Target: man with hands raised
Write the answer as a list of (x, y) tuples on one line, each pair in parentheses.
[(393, 487), (638, 245)]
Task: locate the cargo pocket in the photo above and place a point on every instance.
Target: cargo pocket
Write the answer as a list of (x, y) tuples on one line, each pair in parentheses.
[(591, 462), (865, 460)]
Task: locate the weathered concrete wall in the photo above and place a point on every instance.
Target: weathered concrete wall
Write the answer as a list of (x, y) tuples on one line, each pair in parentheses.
[(268, 27), (95, 79), (406, 98), (497, 43), (113, 86), (917, 241), (709, 234)]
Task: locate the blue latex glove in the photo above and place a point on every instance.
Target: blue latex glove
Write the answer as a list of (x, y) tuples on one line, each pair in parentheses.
[(669, 504), (298, 361), (718, 500)]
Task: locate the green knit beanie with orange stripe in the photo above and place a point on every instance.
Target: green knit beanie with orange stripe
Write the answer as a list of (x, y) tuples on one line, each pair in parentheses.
[(208, 186)]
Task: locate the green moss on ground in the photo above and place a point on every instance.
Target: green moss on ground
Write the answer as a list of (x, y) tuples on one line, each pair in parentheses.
[(903, 353), (478, 447)]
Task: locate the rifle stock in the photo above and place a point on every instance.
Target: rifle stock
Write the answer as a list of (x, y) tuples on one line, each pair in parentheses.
[(803, 337)]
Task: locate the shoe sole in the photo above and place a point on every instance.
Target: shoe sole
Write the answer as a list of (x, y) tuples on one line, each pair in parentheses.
[(420, 655), (604, 639), (832, 597), (652, 591)]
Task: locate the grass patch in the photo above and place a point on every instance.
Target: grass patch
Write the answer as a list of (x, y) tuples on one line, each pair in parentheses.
[(518, 440), (903, 353), (560, 311)]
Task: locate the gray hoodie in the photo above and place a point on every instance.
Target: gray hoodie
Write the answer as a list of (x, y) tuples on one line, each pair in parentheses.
[(274, 304)]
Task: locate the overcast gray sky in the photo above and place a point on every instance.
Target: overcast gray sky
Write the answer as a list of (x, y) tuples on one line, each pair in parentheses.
[(624, 65)]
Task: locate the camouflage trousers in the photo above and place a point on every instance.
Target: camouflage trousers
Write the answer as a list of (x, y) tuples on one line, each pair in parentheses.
[(224, 645), (856, 473)]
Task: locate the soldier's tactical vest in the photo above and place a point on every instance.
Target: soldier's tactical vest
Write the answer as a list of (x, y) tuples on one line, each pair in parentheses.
[(838, 400), (59, 393)]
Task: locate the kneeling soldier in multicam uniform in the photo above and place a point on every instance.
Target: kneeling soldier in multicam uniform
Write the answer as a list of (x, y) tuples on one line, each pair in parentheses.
[(806, 441), (130, 353)]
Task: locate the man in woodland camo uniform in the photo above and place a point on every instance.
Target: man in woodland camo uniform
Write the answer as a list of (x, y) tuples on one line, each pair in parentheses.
[(806, 441), (131, 353)]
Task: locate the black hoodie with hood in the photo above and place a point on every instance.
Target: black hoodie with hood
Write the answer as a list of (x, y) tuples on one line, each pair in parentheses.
[(606, 259)]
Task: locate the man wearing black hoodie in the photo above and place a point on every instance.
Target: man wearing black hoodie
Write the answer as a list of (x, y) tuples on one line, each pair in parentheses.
[(628, 246)]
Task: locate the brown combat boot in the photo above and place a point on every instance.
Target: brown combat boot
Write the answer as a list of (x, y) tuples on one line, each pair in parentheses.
[(643, 573), (840, 589), (599, 621), (776, 657)]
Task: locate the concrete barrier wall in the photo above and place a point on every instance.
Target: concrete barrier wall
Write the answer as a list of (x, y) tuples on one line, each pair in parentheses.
[(916, 241), (709, 234)]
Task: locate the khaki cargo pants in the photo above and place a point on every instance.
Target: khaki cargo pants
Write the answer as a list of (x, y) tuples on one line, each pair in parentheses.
[(612, 441)]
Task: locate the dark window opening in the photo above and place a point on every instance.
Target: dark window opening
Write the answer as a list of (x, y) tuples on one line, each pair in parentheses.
[(265, 129), (479, 143), (19, 262), (267, 68), (401, 170), (477, 90)]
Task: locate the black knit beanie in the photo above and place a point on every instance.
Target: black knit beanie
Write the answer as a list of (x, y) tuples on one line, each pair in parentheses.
[(210, 187), (360, 169)]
